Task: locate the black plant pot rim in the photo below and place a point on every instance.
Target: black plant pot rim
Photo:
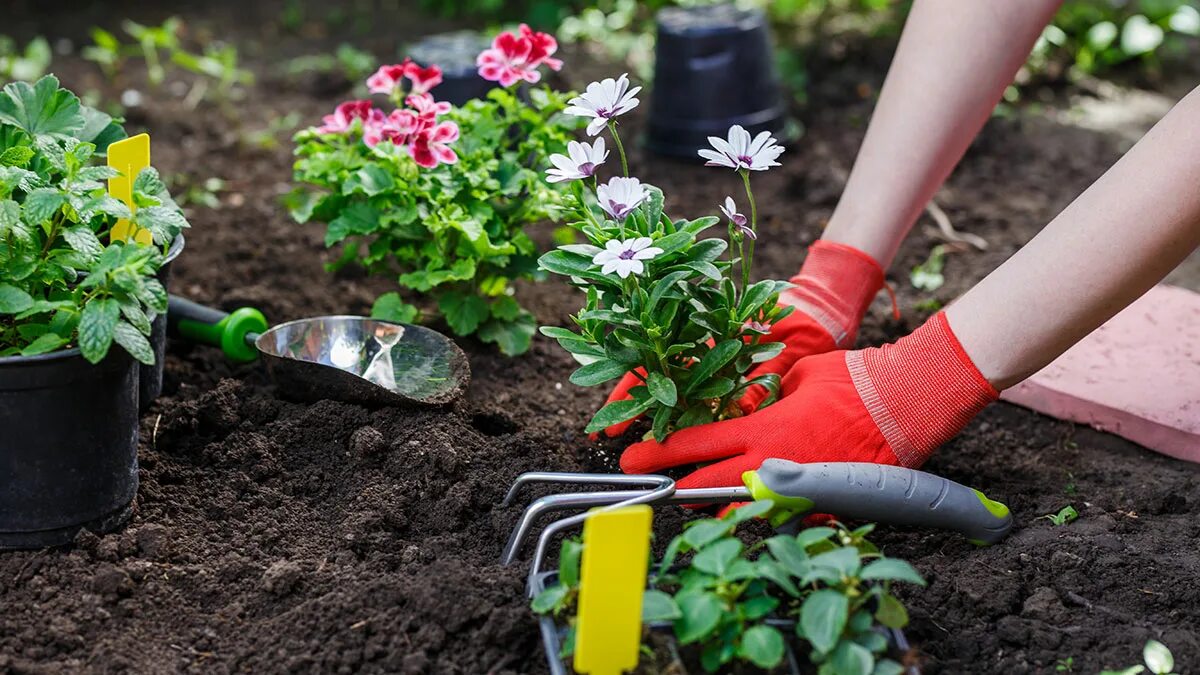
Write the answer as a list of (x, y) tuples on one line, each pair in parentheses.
[(172, 253)]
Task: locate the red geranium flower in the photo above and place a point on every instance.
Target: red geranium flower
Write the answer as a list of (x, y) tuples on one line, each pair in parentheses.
[(429, 147), (423, 79), (344, 115), (387, 77), (516, 56)]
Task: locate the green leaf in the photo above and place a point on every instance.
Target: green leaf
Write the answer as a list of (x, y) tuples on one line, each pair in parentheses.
[(715, 388), (700, 613), (662, 422), (850, 658), (615, 413), (96, 327), (82, 239), (1158, 658), (893, 569), (752, 510), (371, 180), (506, 308), (18, 155), (45, 343), (357, 218), (754, 298), (512, 337), (823, 618), (698, 414), (891, 612), (757, 607), (659, 606), (99, 129), (41, 204), (549, 599), (844, 561), (134, 342), (716, 558), (762, 646), (569, 555), (887, 667), (701, 533), (13, 300), (462, 312), (789, 554), (598, 372), (662, 388), (714, 360), (390, 307), (42, 109), (809, 536)]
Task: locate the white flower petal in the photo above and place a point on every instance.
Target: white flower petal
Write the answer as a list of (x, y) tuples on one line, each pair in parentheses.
[(647, 253), (640, 243)]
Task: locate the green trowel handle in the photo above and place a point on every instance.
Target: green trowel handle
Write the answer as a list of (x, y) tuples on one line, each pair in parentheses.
[(209, 326), (886, 494)]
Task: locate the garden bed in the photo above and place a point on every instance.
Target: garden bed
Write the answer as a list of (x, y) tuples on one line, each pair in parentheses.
[(275, 536)]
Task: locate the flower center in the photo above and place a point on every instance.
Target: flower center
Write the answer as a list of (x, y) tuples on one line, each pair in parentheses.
[(587, 168), (603, 112), (745, 159), (627, 254), (618, 209)]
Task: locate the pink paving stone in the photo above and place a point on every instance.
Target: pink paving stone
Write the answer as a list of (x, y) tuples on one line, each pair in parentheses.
[(1137, 376)]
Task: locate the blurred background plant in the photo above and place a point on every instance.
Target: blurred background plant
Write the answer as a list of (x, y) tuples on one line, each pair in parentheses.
[(26, 64)]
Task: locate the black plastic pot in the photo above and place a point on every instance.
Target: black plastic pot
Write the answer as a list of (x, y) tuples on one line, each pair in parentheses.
[(68, 453), (150, 378), (455, 54), (713, 68), (553, 635)]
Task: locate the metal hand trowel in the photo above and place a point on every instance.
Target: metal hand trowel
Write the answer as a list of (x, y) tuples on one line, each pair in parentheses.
[(347, 358)]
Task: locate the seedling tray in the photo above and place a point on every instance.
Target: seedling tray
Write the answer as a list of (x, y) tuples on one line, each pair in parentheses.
[(554, 633)]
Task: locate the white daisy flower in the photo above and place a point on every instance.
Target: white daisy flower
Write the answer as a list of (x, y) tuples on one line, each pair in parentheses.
[(620, 196), (625, 257), (581, 161), (739, 221), (603, 101), (740, 152)]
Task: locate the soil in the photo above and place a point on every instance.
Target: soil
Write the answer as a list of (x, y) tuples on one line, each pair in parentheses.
[(279, 536)]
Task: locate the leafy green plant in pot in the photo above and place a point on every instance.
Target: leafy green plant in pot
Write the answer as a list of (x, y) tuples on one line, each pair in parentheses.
[(441, 196), (824, 593), (660, 301), (75, 314)]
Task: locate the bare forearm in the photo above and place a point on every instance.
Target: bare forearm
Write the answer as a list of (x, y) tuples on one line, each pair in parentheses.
[(954, 60), (1119, 238)]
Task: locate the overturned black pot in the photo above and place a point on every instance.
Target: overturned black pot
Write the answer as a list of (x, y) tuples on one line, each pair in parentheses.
[(150, 378), (68, 454), (455, 54), (713, 68)]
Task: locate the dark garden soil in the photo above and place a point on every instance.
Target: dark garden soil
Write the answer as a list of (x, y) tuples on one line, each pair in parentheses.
[(278, 536)]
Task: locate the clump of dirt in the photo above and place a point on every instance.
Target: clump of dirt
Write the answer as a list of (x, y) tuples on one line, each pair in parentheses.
[(281, 536)]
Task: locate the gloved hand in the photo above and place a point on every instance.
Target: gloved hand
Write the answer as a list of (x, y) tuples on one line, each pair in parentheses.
[(889, 405), (832, 292)]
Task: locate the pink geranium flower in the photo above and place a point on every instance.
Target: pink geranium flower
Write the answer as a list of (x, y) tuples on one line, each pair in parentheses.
[(388, 78), (423, 79), (516, 56), (429, 146), (426, 107), (343, 116), (373, 128)]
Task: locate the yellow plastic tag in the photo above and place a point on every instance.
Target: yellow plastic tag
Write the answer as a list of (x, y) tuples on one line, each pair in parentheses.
[(616, 549), (128, 156)]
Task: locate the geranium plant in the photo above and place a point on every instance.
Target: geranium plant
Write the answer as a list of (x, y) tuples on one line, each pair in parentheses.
[(830, 584), (61, 284), (441, 196), (660, 301)]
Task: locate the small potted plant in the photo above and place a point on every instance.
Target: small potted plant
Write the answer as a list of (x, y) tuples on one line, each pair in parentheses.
[(68, 398), (440, 196), (660, 302), (823, 595)]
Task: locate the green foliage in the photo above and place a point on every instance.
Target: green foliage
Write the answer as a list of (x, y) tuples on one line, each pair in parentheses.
[(928, 275), (62, 285), (727, 600), (1158, 660), (158, 46), (26, 65), (454, 234), (1065, 515), (347, 60)]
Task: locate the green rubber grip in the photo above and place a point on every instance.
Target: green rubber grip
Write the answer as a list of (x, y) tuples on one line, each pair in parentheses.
[(195, 322), (886, 494)]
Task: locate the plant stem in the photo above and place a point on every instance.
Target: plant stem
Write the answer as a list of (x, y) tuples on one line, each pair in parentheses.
[(748, 260), (612, 127)]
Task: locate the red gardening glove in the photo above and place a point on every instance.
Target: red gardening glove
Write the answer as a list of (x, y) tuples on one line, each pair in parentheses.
[(832, 292), (888, 405)]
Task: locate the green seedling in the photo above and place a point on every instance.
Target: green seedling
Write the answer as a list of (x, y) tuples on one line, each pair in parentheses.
[(1158, 660), (1066, 665), (1064, 516), (203, 194), (268, 138), (1071, 488), (830, 580), (352, 63), (62, 285), (928, 275), (25, 65)]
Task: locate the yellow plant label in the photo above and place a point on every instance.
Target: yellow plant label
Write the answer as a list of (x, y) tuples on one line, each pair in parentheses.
[(129, 157)]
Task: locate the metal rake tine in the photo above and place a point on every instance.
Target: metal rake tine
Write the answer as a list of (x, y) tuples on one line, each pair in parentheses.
[(529, 477), (557, 502)]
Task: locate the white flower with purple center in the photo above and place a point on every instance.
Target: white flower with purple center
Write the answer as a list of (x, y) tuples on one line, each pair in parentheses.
[(739, 221), (603, 101), (625, 257), (581, 161), (620, 196), (741, 152)]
